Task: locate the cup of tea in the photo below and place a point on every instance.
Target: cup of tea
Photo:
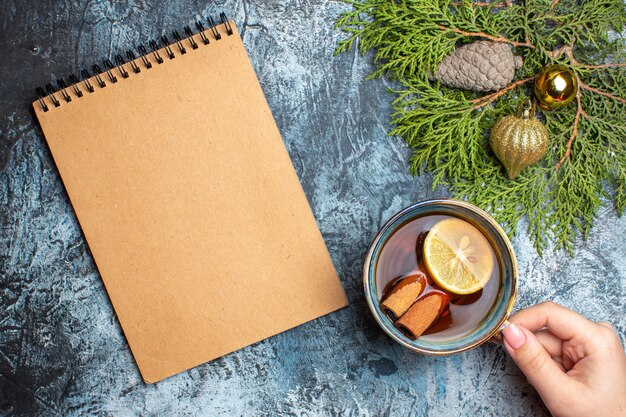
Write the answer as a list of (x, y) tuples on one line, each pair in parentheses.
[(440, 277)]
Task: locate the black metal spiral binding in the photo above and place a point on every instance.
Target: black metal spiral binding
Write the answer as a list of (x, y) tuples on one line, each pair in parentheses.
[(119, 61), (212, 26), (166, 45), (155, 51), (200, 28), (40, 96), (143, 52), (74, 83), (62, 86), (179, 42), (192, 41), (48, 92), (108, 66), (84, 74), (131, 60), (96, 73), (226, 23)]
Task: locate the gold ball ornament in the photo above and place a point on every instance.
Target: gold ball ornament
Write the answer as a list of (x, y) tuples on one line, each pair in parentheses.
[(555, 86), (519, 140)]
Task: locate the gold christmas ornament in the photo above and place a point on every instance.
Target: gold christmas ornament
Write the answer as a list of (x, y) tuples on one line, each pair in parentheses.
[(519, 140), (555, 86)]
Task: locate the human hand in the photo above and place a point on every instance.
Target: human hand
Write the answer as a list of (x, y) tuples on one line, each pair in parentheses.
[(578, 367)]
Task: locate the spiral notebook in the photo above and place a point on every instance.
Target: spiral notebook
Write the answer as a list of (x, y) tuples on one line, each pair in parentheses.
[(188, 200)]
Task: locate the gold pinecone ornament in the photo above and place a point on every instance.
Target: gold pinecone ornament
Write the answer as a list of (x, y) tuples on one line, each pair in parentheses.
[(519, 140), (479, 66)]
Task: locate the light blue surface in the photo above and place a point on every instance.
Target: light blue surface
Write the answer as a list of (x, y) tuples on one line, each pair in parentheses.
[(62, 352)]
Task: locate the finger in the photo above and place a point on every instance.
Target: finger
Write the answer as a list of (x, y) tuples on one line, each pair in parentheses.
[(607, 325), (562, 322), (559, 362), (550, 342), (553, 345), (535, 361)]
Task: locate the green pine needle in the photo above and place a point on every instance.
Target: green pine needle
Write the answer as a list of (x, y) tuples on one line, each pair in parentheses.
[(447, 129)]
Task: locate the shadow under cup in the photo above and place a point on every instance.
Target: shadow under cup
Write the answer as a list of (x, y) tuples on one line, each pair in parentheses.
[(458, 338)]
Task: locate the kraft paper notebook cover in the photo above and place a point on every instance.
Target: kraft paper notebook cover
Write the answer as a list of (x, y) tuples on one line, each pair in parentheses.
[(189, 202)]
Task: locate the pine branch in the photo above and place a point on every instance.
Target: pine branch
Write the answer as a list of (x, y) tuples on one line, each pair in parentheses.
[(507, 3), (603, 66), (447, 129), (483, 101), (568, 149), (484, 35), (602, 93)]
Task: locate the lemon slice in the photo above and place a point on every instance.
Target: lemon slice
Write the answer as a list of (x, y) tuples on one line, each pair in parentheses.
[(458, 257)]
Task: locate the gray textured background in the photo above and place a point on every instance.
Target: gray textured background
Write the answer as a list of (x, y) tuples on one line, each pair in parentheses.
[(61, 349)]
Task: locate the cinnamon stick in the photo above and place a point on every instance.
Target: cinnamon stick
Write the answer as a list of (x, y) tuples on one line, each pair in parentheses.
[(422, 314), (403, 295)]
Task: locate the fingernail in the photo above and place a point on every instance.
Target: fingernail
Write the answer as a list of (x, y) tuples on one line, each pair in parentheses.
[(514, 336)]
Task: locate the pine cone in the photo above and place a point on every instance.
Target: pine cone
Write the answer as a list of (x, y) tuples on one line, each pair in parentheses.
[(479, 66)]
